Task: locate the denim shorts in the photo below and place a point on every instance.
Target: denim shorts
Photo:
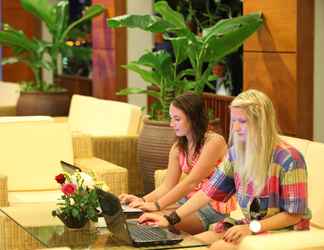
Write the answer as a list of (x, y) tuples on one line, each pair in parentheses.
[(207, 214)]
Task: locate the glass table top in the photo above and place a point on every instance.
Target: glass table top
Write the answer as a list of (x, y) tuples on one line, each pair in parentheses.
[(33, 227)]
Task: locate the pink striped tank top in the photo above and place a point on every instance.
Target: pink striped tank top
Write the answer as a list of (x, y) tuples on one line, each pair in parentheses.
[(222, 207)]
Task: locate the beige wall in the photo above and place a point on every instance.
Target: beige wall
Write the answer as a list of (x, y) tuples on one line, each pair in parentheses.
[(138, 41), (319, 72)]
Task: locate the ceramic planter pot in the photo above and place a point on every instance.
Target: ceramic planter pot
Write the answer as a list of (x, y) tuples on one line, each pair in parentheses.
[(72, 222), (40, 103), (154, 144)]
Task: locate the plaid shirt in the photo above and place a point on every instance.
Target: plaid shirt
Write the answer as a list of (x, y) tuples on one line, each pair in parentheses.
[(285, 188)]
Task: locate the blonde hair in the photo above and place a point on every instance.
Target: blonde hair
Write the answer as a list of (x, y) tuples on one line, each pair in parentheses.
[(254, 157)]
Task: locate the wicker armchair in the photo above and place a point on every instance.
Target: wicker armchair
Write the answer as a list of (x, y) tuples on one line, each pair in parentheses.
[(121, 150), (31, 156), (113, 128)]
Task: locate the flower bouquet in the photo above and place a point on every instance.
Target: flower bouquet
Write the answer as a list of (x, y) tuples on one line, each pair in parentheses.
[(78, 203)]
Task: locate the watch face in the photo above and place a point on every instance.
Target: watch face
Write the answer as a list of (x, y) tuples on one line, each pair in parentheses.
[(255, 226)]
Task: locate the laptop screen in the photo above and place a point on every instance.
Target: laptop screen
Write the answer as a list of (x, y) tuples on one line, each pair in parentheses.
[(69, 168)]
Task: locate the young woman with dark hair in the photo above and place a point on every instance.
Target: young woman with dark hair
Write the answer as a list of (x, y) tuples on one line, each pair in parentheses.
[(196, 153)]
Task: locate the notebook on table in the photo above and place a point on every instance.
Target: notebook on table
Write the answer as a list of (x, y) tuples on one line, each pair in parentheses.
[(71, 169), (129, 231)]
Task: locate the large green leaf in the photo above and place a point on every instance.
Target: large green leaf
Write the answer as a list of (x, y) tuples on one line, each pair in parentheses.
[(160, 62), (43, 10), (227, 35), (129, 91), (155, 60), (61, 19), (147, 75), (17, 39), (91, 12), (145, 22), (180, 48), (171, 16)]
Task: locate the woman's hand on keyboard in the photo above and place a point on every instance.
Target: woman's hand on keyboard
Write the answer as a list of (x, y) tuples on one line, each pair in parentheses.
[(147, 206), (155, 219), (128, 198)]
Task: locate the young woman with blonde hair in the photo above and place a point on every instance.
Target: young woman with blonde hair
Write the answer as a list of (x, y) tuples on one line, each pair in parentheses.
[(267, 175)]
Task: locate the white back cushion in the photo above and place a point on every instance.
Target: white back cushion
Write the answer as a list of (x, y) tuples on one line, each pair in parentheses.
[(31, 154), (314, 156), (315, 165), (9, 93), (300, 144), (103, 117)]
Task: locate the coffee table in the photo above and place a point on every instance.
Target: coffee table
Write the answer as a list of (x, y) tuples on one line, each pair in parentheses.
[(33, 227)]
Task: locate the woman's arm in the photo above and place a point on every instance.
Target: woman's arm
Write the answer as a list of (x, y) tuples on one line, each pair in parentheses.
[(275, 222), (213, 150), (197, 201), (280, 220)]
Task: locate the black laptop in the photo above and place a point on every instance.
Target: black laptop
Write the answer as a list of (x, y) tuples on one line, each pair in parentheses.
[(129, 231)]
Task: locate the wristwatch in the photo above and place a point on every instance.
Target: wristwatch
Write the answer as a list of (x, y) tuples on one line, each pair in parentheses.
[(255, 226)]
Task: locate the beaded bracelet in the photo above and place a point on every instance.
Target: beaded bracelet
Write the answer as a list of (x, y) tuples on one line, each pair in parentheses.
[(173, 218)]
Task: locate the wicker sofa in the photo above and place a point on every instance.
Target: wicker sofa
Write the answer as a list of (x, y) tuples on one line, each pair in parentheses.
[(31, 154), (303, 240)]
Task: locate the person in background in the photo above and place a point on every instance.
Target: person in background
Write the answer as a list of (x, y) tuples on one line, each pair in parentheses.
[(196, 153), (267, 175)]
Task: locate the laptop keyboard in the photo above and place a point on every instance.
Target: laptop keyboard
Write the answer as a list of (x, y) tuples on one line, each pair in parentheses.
[(146, 233)]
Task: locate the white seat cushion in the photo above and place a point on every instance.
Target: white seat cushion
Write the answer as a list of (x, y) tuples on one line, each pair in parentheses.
[(7, 119), (23, 198)]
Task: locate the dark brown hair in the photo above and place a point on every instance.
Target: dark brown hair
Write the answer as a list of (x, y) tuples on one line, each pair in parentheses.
[(192, 105)]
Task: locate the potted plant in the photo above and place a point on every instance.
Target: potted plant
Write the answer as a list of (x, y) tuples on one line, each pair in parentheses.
[(39, 54), (162, 71), (77, 58)]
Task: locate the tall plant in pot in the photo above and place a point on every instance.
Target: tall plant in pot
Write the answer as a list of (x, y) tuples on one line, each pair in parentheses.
[(39, 54), (163, 72)]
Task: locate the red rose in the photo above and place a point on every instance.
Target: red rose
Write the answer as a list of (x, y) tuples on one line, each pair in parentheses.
[(68, 188), (60, 178)]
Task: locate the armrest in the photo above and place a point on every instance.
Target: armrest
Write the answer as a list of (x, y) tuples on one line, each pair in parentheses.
[(114, 176), (120, 150), (82, 145), (7, 110), (3, 191), (61, 119), (294, 240)]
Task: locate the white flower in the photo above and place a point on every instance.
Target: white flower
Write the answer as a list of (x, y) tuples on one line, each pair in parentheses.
[(88, 180), (72, 202)]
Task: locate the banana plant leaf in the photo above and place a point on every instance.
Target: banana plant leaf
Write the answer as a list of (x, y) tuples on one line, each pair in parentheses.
[(228, 34), (17, 39), (43, 10), (128, 91), (174, 18), (91, 12), (144, 22), (61, 19), (148, 75)]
